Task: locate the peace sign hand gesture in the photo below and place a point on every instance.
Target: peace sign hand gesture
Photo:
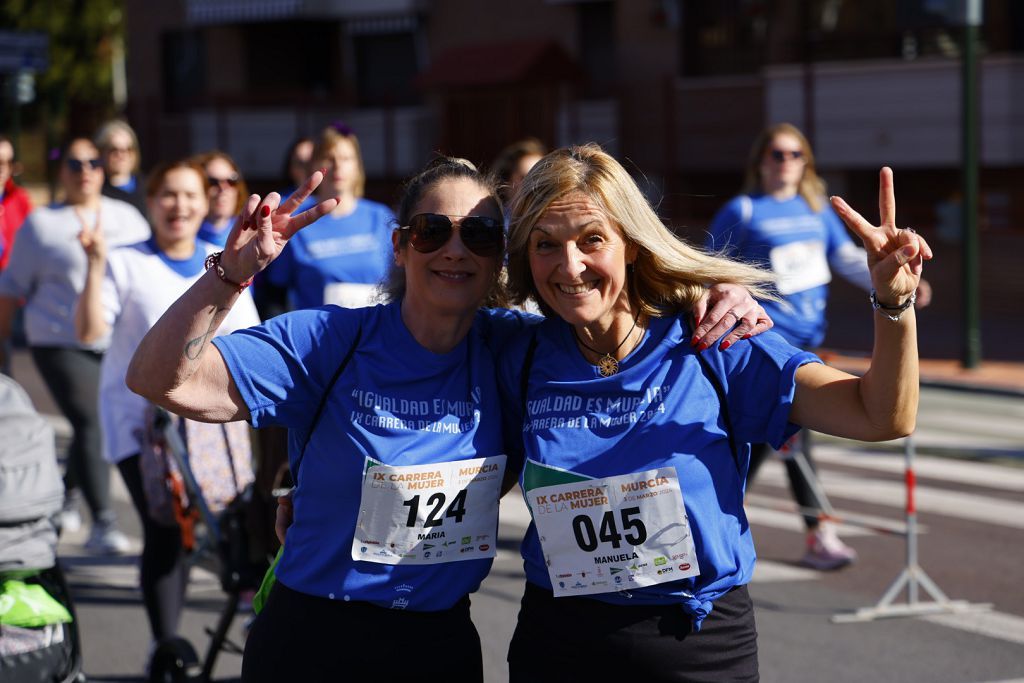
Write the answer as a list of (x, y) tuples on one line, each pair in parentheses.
[(264, 228), (895, 256), (91, 238)]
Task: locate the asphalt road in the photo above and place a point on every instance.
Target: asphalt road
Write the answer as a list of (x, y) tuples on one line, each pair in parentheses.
[(971, 513)]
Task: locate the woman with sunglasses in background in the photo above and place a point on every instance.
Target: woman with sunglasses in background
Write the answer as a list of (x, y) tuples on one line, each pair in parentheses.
[(395, 431), (784, 222), (227, 195), (46, 273), (344, 256), (119, 149)]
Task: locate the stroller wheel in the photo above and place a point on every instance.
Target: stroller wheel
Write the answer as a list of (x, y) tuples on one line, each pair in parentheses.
[(173, 661)]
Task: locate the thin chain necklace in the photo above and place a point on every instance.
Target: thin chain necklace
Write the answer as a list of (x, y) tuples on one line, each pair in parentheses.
[(607, 364)]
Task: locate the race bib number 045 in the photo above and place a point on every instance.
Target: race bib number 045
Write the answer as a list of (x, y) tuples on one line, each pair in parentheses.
[(613, 534), (429, 514)]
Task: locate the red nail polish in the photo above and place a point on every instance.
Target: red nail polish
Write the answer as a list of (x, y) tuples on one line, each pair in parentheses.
[(746, 336), (324, 170), (265, 211), (703, 347), (695, 340), (725, 345)]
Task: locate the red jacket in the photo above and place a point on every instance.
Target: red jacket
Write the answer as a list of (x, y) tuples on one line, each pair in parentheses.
[(14, 206)]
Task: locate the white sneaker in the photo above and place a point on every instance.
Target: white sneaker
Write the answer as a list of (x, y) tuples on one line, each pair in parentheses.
[(69, 518), (825, 550), (106, 539)]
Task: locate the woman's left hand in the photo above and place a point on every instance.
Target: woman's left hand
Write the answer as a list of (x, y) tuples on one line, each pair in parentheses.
[(895, 256), (728, 313)]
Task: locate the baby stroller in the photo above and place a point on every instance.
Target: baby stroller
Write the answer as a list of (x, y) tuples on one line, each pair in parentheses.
[(39, 638), (211, 503)]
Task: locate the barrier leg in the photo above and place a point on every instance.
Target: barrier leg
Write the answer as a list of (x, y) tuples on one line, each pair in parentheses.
[(912, 577)]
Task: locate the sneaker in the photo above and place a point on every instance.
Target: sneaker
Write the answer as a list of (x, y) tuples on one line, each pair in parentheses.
[(106, 539), (70, 519), (825, 550)]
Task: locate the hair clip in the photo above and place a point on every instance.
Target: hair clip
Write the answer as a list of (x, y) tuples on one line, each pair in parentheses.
[(342, 128)]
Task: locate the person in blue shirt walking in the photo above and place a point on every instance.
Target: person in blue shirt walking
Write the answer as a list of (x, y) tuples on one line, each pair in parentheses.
[(783, 222), (343, 257)]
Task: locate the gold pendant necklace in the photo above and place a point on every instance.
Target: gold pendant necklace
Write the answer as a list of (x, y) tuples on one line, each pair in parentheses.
[(607, 364)]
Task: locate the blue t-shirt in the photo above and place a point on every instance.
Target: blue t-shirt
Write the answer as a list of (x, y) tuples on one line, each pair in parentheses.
[(395, 402), (797, 244), (352, 249), (208, 232), (659, 410)]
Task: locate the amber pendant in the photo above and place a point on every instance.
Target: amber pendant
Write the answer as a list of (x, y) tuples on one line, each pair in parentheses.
[(607, 365)]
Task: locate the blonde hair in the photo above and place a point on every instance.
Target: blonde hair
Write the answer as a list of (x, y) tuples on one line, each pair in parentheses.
[(326, 142), (811, 188), (669, 276), (107, 131)]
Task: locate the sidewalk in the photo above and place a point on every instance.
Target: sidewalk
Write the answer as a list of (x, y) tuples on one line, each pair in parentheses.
[(997, 377)]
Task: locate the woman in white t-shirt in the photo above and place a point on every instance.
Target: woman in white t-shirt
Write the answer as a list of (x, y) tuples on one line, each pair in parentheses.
[(126, 292)]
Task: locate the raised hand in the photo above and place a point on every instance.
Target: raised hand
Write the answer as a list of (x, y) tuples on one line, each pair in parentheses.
[(264, 228), (895, 256), (91, 238)]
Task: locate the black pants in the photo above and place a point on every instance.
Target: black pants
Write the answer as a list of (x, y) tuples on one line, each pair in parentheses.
[(163, 571), (73, 378), (803, 493), (568, 639), (299, 637)]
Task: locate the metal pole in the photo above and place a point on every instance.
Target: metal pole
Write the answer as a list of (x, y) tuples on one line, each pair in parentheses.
[(969, 138)]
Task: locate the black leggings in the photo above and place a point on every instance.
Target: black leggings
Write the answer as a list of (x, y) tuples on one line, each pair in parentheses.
[(803, 493), (163, 571), (557, 639), (73, 378), (300, 637)]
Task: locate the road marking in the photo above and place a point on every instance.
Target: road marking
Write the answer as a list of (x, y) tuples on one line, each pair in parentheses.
[(961, 471), (998, 625), (956, 504)]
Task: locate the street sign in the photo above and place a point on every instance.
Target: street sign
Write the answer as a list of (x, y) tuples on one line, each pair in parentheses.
[(24, 51)]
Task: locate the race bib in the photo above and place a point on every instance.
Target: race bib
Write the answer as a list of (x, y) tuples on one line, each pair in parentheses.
[(349, 294), (616, 533), (800, 266), (429, 514)]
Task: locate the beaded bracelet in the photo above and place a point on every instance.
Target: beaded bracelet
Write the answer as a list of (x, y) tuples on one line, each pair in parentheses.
[(885, 309), (213, 261)]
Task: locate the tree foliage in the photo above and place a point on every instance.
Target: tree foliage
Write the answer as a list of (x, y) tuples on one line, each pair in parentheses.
[(82, 37)]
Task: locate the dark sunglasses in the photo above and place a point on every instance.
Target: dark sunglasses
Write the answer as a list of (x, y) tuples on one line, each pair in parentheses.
[(430, 231), (230, 181), (76, 165), (781, 155)]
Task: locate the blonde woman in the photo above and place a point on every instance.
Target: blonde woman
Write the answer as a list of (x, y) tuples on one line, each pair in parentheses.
[(783, 221), (636, 441)]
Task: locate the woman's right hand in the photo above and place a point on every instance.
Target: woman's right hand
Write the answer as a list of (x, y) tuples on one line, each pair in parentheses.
[(92, 240), (284, 517), (264, 228)]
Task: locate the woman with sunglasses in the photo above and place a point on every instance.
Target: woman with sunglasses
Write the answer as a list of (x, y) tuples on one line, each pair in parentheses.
[(783, 220), (344, 256), (119, 147), (395, 430), (226, 196), (46, 273), (635, 435)]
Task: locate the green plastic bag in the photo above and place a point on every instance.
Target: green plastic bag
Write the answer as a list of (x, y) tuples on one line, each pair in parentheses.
[(269, 579), (28, 605)]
